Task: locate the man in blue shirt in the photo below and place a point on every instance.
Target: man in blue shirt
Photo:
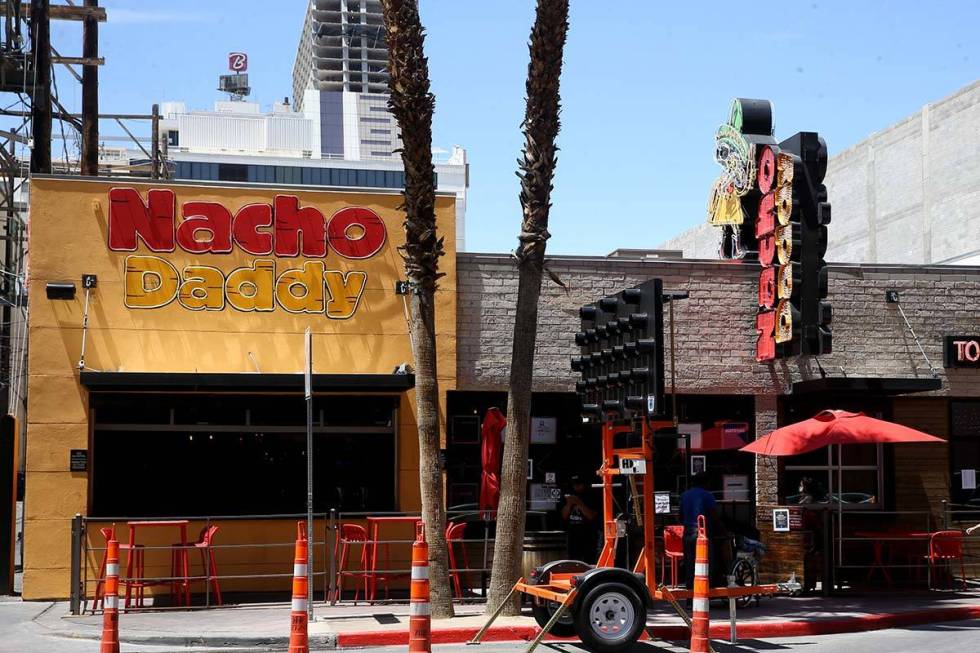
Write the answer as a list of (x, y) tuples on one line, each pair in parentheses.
[(697, 501)]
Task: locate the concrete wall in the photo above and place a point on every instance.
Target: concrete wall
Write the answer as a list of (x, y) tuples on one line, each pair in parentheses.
[(908, 194)]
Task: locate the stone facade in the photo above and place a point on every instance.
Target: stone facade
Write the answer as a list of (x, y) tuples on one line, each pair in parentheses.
[(714, 334)]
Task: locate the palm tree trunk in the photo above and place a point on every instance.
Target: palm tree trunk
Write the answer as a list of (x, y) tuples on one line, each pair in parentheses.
[(412, 104), (541, 125)]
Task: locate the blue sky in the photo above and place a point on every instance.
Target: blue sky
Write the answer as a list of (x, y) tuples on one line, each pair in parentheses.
[(645, 84)]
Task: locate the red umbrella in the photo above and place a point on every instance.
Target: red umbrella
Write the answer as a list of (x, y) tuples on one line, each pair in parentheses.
[(491, 452), (834, 427)]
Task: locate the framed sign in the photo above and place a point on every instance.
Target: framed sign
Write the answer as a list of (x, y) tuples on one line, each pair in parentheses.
[(78, 460), (780, 520), (735, 487), (661, 503), (698, 465)]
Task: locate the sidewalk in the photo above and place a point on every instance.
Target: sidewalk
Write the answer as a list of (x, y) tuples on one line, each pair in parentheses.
[(362, 625)]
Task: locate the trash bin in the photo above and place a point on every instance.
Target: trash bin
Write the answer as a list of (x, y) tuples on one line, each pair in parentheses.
[(541, 547)]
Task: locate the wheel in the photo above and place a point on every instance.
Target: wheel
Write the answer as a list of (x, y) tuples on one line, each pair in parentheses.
[(544, 610), (610, 618), (744, 573)]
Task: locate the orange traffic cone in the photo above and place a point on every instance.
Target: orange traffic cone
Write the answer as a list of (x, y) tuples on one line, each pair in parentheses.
[(699, 618), (110, 606), (299, 638), (419, 623)]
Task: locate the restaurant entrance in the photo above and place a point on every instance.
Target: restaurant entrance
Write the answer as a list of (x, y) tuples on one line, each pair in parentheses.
[(184, 454)]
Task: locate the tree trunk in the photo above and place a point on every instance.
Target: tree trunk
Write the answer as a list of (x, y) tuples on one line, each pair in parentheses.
[(537, 169), (412, 105)]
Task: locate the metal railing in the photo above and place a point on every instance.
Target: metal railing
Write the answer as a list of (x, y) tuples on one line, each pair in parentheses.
[(266, 569)]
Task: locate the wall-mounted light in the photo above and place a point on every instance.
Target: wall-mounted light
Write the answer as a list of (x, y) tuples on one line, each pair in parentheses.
[(60, 289)]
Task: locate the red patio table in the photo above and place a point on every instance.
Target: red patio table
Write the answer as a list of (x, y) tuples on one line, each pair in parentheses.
[(181, 524), (879, 539), (374, 528)]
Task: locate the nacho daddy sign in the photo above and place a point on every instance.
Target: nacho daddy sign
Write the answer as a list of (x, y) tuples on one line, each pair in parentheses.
[(271, 232)]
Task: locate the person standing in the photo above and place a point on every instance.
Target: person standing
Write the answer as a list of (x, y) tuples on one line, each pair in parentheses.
[(581, 516), (697, 501)]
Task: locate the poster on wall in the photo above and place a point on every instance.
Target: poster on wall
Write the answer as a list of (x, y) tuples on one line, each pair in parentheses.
[(661, 503), (544, 430), (780, 520), (544, 496), (698, 465)]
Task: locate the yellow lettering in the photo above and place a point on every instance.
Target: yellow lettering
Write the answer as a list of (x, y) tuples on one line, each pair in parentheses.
[(202, 289), (151, 282), (301, 290), (252, 289), (345, 292)]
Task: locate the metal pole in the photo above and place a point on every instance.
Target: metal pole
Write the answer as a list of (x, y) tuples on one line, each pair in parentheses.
[(40, 89), (76, 563), (308, 382), (733, 629), (90, 95), (673, 377), (332, 552), (155, 143)]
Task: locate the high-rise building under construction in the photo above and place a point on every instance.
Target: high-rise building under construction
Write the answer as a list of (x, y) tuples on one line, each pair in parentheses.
[(340, 79)]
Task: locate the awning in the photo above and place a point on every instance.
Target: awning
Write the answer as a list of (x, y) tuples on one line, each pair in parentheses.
[(870, 384), (185, 381)]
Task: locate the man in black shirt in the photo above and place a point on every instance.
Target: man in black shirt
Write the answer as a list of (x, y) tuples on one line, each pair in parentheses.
[(582, 517)]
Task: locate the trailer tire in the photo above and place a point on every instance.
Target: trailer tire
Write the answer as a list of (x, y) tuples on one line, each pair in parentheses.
[(544, 610), (610, 618)]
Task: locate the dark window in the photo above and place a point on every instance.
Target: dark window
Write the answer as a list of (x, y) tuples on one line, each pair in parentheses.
[(173, 138), (381, 131), (964, 452), (232, 172), (241, 454)]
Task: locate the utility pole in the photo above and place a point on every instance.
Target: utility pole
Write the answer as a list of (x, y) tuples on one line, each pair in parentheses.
[(90, 94), (156, 165), (41, 98)]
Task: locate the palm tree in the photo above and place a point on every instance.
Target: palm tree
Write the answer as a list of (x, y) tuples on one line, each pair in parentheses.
[(537, 168), (412, 104)]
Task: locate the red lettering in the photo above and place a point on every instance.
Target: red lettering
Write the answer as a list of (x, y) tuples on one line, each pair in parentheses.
[(356, 233), (960, 344), (767, 250), (248, 220), (130, 218), (767, 169), (767, 287), (765, 222), (208, 217), (972, 351), (291, 221), (765, 347)]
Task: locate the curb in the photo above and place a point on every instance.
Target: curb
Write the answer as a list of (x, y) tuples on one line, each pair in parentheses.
[(719, 629)]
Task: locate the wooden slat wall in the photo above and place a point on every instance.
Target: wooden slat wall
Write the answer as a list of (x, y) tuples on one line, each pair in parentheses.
[(922, 470)]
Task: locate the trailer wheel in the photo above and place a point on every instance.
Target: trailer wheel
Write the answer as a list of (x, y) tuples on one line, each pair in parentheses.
[(745, 576), (610, 618), (544, 610)]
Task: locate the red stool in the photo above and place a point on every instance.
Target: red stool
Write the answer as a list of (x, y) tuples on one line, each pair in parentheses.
[(180, 566), (108, 533), (454, 533), (673, 551), (205, 545), (348, 536)]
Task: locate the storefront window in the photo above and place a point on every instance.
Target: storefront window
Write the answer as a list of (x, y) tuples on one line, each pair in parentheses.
[(240, 455), (964, 452), (849, 474)]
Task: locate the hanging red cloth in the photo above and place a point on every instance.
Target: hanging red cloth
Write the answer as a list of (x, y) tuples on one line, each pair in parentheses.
[(491, 455)]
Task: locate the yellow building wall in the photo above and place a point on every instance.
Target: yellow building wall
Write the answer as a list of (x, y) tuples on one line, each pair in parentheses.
[(68, 238)]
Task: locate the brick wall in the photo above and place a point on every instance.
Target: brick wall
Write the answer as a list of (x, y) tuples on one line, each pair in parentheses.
[(715, 337)]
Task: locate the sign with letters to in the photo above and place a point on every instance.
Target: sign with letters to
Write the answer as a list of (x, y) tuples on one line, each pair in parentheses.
[(962, 351)]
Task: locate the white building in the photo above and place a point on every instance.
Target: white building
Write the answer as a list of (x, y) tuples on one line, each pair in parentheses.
[(237, 142)]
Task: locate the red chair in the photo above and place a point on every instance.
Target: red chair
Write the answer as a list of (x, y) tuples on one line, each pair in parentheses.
[(944, 547), (455, 533), (673, 551), (179, 564), (349, 536), (109, 533)]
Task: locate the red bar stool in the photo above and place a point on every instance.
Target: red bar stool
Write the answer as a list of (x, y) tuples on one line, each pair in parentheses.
[(454, 534), (108, 533), (349, 536), (205, 545), (673, 551)]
